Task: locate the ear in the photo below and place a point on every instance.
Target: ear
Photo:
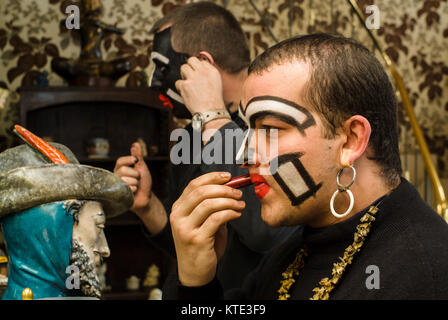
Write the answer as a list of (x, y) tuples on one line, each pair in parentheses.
[(357, 130), (204, 55)]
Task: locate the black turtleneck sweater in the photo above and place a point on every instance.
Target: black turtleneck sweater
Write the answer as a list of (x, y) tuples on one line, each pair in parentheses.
[(408, 244)]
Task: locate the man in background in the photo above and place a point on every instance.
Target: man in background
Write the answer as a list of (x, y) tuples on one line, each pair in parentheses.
[(201, 59)]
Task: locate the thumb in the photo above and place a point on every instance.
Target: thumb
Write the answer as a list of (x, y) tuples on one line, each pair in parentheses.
[(136, 151)]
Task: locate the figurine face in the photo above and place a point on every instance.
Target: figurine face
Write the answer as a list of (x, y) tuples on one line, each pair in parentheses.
[(167, 63), (89, 246)]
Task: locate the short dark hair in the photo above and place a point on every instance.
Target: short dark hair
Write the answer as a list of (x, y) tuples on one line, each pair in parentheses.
[(346, 79), (205, 26)]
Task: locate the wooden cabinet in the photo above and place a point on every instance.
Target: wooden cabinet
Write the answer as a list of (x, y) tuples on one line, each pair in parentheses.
[(72, 116)]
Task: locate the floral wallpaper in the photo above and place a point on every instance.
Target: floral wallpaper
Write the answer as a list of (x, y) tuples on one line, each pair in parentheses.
[(414, 33)]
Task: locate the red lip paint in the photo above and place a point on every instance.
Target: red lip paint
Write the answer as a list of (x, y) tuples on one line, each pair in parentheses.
[(260, 185)]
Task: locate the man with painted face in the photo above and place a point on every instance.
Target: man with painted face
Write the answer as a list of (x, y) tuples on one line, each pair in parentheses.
[(368, 234), (201, 59), (167, 64)]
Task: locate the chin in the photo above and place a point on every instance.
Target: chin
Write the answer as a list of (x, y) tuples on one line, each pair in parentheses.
[(273, 217), (280, 215)]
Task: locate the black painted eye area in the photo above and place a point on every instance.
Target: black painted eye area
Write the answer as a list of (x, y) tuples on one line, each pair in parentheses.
[(162, 67)]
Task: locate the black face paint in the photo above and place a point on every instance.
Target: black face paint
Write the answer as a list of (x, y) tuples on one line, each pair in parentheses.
[(293, 178), (280, 108), (167, 71)]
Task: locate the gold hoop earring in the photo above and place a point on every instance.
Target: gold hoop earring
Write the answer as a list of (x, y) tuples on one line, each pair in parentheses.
[(340, 189)]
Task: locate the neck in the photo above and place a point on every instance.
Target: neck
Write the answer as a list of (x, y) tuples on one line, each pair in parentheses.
[(232, 87)]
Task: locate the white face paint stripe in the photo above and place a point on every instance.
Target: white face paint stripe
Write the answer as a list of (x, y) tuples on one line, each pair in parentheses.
[(240, 155), (275, 106), (170, 93), (152, 75), (242, 116), (267, 105), (157, 56), (292, 178)]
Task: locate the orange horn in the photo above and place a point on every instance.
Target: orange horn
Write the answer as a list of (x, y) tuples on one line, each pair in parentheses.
[(53, 154)]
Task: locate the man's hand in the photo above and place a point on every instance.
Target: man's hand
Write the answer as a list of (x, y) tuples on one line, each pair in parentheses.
[(198, 221), (133, 170), (201, 86)]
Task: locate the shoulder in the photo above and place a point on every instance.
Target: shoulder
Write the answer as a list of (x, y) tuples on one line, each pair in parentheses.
[(412, 241)]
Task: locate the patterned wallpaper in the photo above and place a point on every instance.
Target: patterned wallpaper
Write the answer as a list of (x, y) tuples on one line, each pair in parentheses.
[(413, 32)]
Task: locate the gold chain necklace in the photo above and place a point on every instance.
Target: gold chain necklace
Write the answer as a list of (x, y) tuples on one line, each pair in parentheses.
[(327, 285)]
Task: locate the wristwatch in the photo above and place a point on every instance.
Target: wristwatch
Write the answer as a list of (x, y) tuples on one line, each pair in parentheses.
[(199, 119)]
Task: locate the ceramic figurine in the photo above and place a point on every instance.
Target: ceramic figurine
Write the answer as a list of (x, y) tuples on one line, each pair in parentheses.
[(152, 276), (155, 294), (53, 211), (133, 283)]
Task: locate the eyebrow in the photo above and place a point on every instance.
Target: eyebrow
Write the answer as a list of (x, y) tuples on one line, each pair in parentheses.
[(302, 119), (279, 116), (99, 214)]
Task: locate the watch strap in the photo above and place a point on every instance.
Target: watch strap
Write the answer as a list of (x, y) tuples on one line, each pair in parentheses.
[(214, 114)]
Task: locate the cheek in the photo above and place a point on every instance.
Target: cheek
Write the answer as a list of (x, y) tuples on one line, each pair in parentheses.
[(171, 76), (86, 234)]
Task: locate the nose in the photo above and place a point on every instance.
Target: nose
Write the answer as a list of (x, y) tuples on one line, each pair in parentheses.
[(247, 155), (156, 78), (103, 247)]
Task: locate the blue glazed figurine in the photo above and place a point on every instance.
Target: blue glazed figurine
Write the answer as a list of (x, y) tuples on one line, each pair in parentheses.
[(52, 217)]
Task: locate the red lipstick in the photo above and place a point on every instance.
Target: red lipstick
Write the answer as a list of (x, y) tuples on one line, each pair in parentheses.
[(239, 182), (261, 186)]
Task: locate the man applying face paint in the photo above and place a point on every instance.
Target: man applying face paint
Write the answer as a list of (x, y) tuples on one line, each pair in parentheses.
[(166, 72), (211, 80), (338, 173)]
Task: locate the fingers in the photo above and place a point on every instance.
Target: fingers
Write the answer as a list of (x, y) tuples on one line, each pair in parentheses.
[(126, 161), (128, 172), (195, 63), (186, 71), (206, 196), (214, 222), (125, 167), (192, 65), (189, 200), (131, 182), (207, 208), (136, 151)]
